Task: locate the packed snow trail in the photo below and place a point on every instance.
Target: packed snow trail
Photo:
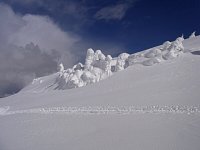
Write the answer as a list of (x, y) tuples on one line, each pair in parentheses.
[(99, 110)]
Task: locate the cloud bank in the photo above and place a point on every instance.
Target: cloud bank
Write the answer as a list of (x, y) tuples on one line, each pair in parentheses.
[(30, 46)]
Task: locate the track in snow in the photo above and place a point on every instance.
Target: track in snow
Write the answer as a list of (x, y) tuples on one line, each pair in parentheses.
[(4, 111)]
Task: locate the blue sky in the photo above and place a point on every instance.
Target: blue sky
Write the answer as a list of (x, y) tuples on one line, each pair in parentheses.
[(36, 35), (128, 24)]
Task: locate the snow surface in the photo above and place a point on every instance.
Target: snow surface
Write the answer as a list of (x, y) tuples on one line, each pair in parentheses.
[(152, 104)]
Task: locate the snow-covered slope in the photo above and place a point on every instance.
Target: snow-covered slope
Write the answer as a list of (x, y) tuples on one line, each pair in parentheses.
[(99, 67), (154, 103)]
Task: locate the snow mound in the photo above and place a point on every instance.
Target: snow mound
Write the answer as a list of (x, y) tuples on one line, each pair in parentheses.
[(97, 66)]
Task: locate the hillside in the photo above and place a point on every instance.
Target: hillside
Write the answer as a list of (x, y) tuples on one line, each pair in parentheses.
[(150, 100)]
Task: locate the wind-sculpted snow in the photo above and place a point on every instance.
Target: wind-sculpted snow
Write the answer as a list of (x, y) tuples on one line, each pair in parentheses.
[(105, 110), (98, 66)]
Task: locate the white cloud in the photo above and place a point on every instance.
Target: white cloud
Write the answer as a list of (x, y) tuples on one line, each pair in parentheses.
[(20, 62), (43, 32)]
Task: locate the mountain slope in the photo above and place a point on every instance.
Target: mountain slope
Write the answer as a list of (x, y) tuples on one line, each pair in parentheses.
[(153, 107)]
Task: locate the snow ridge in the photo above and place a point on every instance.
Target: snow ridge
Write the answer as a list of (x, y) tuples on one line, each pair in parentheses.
[(97, 66)]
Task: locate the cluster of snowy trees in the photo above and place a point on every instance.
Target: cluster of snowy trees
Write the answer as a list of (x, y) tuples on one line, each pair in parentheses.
[(169, 50), (98, 66)]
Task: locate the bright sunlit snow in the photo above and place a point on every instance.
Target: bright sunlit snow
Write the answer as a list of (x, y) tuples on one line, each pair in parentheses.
[(147, 100)]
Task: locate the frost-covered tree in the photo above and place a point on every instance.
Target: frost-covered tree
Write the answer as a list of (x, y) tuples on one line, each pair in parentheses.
[(121, 60), (166, 45), (75, 80), (177, 45), (108, 65), (78, 66), (61, 67), (175, 48), (192, 35), (153, 53), (89, 58), (99, 55), (88, 77)]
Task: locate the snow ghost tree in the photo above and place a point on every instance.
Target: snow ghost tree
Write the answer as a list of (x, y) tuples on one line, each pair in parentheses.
[(78, 66), (121, 61), (61, 69), (96, 68), (132, 59), (177, 45), (88, 77), (99, 55), (108, 65), (89, 58), (153, 53), (175, 48), (75, 79), (192, 35), (166, 45)]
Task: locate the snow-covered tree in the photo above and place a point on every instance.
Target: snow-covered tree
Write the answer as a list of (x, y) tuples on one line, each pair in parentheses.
[(75, 80), (99, 55), (192, 35), (78, 66), (121, 60), (88, 77), (175, 48), (89, 58), (166, 45), (108, 65), (61, 67), (153, 53)]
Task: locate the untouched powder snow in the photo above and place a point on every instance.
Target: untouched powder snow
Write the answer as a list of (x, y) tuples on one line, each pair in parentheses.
[(154, 103)]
